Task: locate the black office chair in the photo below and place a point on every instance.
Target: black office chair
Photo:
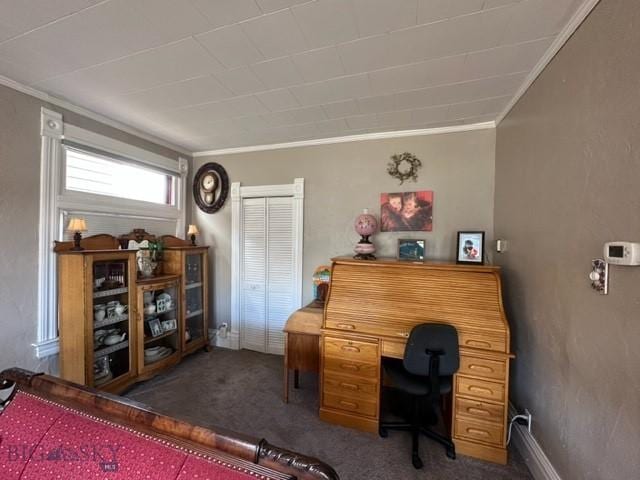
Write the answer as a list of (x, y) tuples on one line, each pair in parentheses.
[(431, 357)]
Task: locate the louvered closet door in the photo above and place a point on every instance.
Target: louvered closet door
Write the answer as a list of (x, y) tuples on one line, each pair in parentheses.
[(253, 296), (268, 272)]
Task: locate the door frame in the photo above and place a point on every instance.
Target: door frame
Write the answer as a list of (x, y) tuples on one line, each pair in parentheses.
[(238, 193)]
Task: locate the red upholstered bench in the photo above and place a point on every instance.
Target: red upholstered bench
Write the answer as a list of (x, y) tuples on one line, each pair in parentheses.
[(51, 429)]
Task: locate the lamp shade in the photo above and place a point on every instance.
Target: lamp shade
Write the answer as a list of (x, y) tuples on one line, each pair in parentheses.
[(77, 225), (193, 230)]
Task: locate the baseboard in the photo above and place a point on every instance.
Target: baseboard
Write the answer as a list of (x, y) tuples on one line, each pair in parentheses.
[(535, 458), (232, 341)]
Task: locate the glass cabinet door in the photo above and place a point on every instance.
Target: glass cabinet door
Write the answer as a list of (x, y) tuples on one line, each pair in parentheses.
[(194, 297), (160, 313), (111, 327)]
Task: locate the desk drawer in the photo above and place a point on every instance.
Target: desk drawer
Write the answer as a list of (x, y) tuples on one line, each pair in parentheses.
[(482, 367), (481, 389), (348, 404), (479, 431), (489, 412), (482, 340), (378, 329), (351, 349), (393, 349), (350, 367), (364, 388)]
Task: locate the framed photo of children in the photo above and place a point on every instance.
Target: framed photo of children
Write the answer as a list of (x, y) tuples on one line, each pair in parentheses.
[(406, 211), (470, 248)]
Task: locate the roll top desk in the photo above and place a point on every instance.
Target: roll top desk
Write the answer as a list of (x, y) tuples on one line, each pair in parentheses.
[(372, 307)]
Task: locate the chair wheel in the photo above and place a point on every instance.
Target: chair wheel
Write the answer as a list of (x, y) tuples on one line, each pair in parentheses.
[(451, 453), (383, 432), (417, 463)]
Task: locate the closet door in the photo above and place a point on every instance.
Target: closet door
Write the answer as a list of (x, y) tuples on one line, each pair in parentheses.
[(253, 295), (280, 270)]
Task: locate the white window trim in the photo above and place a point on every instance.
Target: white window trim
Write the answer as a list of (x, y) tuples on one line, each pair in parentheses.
[(54, 200), (238, 193)]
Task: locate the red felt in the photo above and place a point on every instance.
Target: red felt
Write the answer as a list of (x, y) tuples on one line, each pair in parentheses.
[(202, 469)]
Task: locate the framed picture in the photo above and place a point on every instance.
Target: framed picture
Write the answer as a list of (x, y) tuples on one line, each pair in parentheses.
[(155, 327), (411, 250), (406, 211), (169, 325), (470, 248)]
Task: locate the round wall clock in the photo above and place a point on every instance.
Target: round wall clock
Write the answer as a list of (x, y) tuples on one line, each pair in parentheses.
[(210, 187)]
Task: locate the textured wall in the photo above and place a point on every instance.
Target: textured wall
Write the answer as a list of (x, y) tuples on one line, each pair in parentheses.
[(567, 176), (342, 179), (19, 213)]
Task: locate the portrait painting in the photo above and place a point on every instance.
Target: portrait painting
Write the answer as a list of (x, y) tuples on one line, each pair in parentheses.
[(406, 211), (470, 247)]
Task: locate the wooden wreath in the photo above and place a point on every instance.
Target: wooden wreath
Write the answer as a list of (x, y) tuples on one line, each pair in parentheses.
[(404, 167)]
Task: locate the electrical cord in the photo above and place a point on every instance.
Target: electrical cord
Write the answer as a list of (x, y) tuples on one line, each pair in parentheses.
[(522, 420)]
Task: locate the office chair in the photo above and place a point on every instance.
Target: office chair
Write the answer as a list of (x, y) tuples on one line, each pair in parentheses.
[(431, 357)]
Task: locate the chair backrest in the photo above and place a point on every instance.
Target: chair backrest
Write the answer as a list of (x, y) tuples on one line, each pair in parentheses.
[(432, 337)]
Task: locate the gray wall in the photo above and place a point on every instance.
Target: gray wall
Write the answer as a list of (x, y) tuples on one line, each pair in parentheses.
[(19, 211), (567, 176), (342, 179)]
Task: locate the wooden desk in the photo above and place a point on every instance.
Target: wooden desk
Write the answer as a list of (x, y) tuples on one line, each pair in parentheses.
[(371, 308), (301, 344)]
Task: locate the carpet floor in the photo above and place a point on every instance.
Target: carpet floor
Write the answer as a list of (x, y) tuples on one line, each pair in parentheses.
[(242, 391)]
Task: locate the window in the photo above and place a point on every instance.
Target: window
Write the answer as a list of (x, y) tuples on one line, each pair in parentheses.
[(92, 172)]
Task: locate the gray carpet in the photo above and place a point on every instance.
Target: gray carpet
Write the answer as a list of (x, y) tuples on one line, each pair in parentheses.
[(242, 391)]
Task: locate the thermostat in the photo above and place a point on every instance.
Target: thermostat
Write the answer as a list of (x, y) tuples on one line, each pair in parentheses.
[(622, 253)]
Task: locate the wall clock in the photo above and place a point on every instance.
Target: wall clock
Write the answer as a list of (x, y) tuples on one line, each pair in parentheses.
[(210, 187)]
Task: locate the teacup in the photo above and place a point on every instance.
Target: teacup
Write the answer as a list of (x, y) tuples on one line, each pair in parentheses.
[(99, 312), (120, 309)]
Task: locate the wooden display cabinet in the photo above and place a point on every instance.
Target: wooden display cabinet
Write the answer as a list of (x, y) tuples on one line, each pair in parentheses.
[(96, 305), (191, 263), (158, 305)]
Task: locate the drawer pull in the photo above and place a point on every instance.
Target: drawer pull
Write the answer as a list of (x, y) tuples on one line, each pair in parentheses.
[(478, 343), (479, 411), (474, 388), (476, 431), (349, 386), (346, 326), (348, 404), (482, 368), (349, 366), (350, 348), (403, 334)]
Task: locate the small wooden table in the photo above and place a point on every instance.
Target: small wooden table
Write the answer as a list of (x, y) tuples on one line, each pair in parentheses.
[(302, 344)]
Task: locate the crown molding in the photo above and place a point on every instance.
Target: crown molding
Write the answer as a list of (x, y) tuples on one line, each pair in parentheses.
[(8, 82), (562, 38), (350, 138)]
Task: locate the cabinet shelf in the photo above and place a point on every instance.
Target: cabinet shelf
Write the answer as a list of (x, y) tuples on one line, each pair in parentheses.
[(110, 321), (189, 286), (164, 335), (110, 349), (194, 313), (109, 293), (149, 316)]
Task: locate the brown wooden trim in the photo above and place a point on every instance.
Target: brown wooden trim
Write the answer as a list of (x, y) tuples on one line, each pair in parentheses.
[(102, 241), (236, 448), (430, 265)]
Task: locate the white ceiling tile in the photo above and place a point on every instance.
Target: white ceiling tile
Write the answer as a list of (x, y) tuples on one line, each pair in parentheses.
[(173, 20), (504, 60), (429, 115), (342, 88), (23, 64), (276, 34), (252, 122), (225, 12), (538, 18), (24, 15), (362, 121), (498, 3), (105, 32), (299, 115), (477, 108), (163, 65), (189, 92), (231, 46), (278, 73), (240, 81), (280, 99), (381, 16), (211, 112), (344, 108), (335, 126), (268, 6), (326, 22), (316, 65), (418, 75), (434, 10), (398, 119)]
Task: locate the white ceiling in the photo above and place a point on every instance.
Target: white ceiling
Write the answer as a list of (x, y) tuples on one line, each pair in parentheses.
[(213, 74)]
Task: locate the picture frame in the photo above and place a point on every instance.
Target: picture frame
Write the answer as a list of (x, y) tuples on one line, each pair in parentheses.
[(169, 325), (155, 327), (411, 249), (470, 248)]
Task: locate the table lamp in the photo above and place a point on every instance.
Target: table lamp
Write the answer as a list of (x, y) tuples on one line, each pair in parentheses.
[(193, 231), (77, 225)]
